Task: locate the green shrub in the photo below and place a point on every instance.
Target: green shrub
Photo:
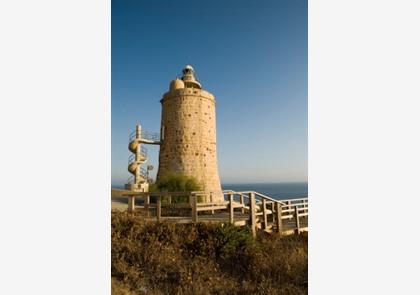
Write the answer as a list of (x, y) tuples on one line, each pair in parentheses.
[(233, 240), (177, 182)]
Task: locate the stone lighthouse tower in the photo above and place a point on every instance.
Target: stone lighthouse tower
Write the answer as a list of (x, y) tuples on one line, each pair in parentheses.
[(188, 133)]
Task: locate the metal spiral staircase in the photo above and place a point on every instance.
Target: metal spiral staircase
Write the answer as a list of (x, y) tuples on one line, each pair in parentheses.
[(139, 179)]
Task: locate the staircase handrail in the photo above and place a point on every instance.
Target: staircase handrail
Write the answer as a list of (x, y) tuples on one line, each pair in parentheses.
[(154, 136), (148, 135), (143, 172), (143, 151), (132, 136), (132, 157)]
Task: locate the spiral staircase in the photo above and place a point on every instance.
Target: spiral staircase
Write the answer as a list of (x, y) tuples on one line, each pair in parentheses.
[(139, 179)]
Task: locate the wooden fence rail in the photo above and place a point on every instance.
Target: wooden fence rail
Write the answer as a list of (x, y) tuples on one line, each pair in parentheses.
[(254, 209)]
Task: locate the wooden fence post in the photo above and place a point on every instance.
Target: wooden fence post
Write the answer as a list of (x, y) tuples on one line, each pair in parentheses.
[(279, 223), (242, 203), (131, 203), (194, 213), (211, 201), (158, 208), (297, 219), (146, 204), (231, 208), (273, 209), (252, 216), (264, 208)]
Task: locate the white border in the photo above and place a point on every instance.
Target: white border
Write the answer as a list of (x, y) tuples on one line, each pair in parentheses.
[(55, 147), (364, 147)]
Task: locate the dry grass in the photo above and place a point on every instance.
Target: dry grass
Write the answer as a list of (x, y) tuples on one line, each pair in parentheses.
[(168, 258)]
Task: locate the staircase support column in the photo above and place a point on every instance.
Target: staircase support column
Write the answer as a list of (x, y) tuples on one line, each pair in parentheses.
[(137, 156)]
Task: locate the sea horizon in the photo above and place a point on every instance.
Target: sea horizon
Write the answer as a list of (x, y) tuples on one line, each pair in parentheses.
[(276, 190)]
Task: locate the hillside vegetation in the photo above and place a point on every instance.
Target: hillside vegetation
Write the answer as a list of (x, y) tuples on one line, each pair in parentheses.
[(168, 258)]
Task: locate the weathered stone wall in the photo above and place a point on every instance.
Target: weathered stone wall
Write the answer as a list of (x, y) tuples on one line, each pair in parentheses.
[(189, 136)]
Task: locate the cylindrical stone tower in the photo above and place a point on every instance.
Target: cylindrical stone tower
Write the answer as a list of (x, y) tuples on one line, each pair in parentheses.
[(188, 133)]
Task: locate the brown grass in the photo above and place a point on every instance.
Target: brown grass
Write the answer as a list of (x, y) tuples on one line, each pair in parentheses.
[(168, 258)]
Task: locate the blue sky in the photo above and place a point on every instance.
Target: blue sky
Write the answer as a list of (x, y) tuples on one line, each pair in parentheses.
[(252, 55)]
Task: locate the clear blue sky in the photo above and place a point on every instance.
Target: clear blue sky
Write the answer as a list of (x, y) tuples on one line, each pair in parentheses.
[(252, 55)]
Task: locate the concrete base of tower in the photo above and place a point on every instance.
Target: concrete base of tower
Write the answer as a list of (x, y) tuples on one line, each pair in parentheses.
[(141, 187)]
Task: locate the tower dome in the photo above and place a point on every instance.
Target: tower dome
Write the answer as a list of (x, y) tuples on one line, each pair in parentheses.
[(176, 84)]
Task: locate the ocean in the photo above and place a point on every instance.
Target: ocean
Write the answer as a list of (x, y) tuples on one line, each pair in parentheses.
[(274, 190)]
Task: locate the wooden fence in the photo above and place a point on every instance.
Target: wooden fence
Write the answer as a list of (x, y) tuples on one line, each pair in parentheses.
[(251, 208)]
